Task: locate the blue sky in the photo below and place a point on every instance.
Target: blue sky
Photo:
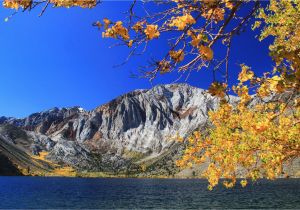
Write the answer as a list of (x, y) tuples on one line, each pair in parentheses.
[(60, 60)]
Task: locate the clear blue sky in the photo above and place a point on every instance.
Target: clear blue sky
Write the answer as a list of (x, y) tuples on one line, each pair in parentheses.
[(60, 60)]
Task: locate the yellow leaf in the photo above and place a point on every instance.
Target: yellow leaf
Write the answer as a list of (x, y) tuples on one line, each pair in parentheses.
[(79, 3), (196, 40), (138, 27), (217, 89), (244, 183), (246, 74), (116, 30), (206, 52), (182, 21), (15, 4), (216, 14), (177, 56), (152, 32), (130, 43), (106, 22), (229, 4)]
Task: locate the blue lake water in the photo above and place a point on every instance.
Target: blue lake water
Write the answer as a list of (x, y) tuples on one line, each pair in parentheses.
[(91, 193)]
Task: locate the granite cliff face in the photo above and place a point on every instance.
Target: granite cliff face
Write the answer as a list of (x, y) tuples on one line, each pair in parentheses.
[(131, 132)]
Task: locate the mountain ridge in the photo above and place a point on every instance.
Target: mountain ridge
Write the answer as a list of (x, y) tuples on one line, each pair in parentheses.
[(133, 134)]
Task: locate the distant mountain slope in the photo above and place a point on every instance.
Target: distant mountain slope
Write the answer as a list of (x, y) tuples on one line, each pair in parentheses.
[(16, 153), (133, 134)]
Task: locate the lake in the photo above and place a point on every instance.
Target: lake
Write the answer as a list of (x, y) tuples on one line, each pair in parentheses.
[(91, 193)]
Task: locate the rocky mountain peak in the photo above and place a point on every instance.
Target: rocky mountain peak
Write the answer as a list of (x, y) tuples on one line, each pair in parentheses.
[(141, 122)]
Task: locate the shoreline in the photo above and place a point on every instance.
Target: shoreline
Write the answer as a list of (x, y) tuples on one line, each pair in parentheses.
[(144, 177)]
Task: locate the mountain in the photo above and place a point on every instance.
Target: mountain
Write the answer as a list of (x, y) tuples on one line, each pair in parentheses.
[(133, 134)]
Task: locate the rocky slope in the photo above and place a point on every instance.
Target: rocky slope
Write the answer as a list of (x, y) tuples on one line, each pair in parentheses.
[(17, 149), (133, 134)]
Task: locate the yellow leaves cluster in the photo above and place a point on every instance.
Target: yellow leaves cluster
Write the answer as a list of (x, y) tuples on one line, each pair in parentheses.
[(15, 4), (197, 38), (212, 174), (190, 154), (164, 66), (138, 27), (275, 84), (228, 4), (267, 85), (117, 30), (198, 41), (261, 126), (243, 92), (152, 32), (263, 91), (281, 20), (177, 56), (182, 21), (227, 184), (223, 113), (209, 3), (250, 142), (215, 14), (72, 3)]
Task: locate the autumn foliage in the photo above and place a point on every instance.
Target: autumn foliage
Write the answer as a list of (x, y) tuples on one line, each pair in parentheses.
[(29, 4), (254, 137)]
